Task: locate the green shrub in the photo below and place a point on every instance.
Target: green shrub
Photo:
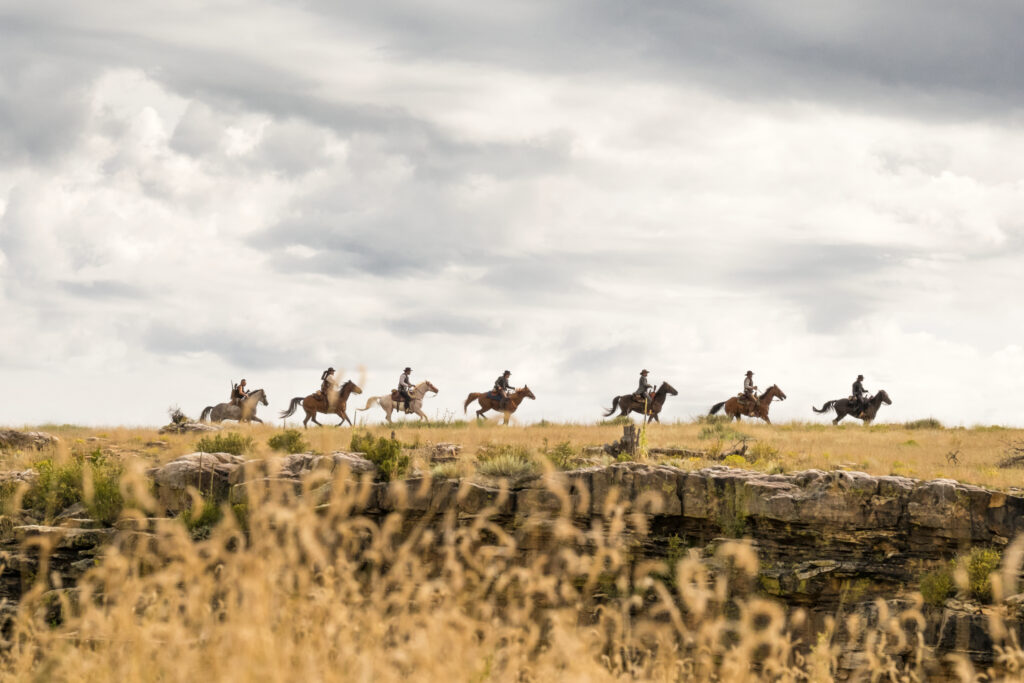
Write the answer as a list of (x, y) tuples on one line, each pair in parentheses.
[(208, 516), (937, 586), (233, 442), (446, 470), (720, 430), (617, 421), (980, 563), (763, 451), (506, 460), (289, 441), (392, 463), (562, 456), (61, 485), (927, 423)]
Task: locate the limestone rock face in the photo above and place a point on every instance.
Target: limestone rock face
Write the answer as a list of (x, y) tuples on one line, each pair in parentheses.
[(11, 439), (188, 428), (209, 473)]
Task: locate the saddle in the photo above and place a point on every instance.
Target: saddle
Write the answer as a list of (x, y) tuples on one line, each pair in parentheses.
[(494, 395)]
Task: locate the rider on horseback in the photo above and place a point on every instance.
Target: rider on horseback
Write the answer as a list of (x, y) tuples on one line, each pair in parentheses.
[(502, 389), (404, 385), (749, 396), (326, 382), (239, 393), (860, 394), (645, 390)]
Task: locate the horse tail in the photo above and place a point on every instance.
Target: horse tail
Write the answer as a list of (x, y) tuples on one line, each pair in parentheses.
[(291, 408), (470, 399), (715, 408), (369, 403), (831, 405), (615, 406), (205, 415)]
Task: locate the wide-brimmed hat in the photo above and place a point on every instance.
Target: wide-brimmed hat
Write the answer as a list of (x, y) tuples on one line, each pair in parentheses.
[(644, 372), (407, 370), (859, 377), (507, 372), (750, 372)]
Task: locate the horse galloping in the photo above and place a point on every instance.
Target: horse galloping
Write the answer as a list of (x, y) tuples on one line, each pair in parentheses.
[(844, 407), (245, 412), (490, 401), (735, 409), (389, 403), (628, 403), (317, 403)]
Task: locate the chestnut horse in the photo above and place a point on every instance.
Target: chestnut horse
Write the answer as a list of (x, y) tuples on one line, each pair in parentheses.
[(229, 411), (316, 403), (844, 407), (627, 403), (488, 401), (734, 409), (415, 406)]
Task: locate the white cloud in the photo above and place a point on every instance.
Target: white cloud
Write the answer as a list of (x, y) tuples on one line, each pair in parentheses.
[(297, 192)]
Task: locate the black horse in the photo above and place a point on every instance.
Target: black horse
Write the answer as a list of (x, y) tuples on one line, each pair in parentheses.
[(844, 407), (627, 403)]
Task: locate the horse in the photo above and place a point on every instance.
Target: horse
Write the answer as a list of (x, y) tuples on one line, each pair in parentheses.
[(490, 401), (317, 403), (627, 403), (229, 411), (734, 409), (844, 407), (388, 403)]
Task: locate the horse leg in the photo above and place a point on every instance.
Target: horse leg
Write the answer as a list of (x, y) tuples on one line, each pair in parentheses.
[(312, 416)]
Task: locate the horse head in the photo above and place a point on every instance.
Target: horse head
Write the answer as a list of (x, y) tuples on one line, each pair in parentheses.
[(350, 387), (883, 397), (666, 388), (260, 396), (774, 391), (525, 392), (426, 386)]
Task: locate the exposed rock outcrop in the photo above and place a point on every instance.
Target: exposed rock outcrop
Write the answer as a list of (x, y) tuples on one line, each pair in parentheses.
[(12, 438)]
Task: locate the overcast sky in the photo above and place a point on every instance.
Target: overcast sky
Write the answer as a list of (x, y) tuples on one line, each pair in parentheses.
[(194, 192)]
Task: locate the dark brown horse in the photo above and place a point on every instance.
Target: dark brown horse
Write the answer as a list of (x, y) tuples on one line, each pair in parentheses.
[(627, 403), (488, 401), (734, 408), (317, 403), (844, 407)]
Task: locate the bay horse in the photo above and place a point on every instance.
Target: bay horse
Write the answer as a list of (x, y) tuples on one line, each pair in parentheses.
[(844, 407), (627, 403), (229, 411), (489, 401), (318, 403), (388, 402), (735, 409)]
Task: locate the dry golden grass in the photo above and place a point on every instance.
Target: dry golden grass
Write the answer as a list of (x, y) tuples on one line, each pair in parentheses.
[(881, 449), (323, 593)]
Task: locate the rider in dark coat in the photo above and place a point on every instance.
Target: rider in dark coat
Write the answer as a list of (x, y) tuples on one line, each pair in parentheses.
[(404, 385), (644, 389), (502, 388), (860, 394)]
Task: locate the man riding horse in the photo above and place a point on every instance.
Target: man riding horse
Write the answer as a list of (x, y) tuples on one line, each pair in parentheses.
[(749, 396), (645, 391), (502, 389), (860, 394), (405, 385)]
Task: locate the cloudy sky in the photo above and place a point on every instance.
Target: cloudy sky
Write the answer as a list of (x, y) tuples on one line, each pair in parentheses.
[(192, 192)]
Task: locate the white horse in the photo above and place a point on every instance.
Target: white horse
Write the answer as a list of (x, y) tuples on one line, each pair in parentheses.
[(229, 411), (389, 403)]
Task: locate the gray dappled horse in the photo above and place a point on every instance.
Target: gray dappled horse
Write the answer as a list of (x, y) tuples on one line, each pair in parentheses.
[(229, 411), (390, 402)]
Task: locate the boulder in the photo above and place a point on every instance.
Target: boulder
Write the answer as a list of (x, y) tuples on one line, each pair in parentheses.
[(11, 439), (209, 473), (189, 427)]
